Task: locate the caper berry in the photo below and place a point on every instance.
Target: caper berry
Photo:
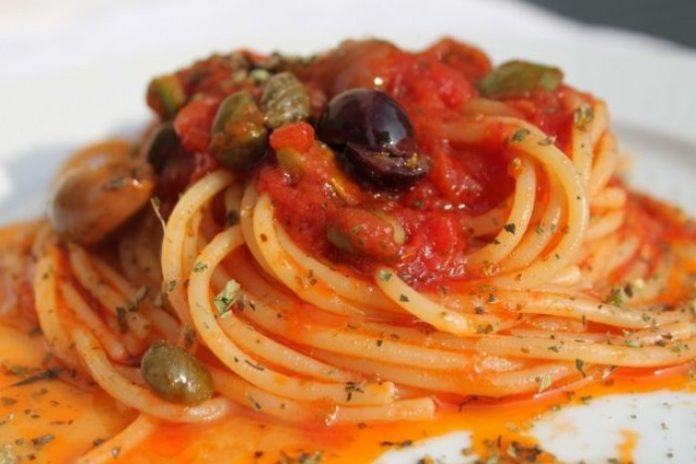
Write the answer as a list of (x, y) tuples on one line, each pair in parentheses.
[(519, 77), (239, 135), (375, 134), (176, 375), (285, 100)]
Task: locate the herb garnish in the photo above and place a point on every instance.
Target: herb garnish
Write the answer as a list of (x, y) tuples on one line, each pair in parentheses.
[(256, 366), (199, 267), (520, 135), (583, 116), (397, 444), (42, 440), (616, 297), (303, 458), (384, 275), (254, 404), (549, 140), (544, 382), (226, 298), (121, 319), (168, 287), (580, 366), (352, 387), (139, 296), (43, 375)]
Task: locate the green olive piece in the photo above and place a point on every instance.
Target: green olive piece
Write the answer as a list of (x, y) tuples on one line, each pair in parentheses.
[(285, 100), (166, 95), (98, 191), (519, 77), (176, 375), (239, 136)]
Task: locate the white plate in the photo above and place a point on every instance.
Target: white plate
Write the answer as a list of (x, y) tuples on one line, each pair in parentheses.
[(75, 71)]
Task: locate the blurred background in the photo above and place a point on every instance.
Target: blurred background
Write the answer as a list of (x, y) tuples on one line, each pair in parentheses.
[(670, 19), (75, 71)]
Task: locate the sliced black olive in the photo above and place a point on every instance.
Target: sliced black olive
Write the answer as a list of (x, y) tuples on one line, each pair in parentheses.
[(375, 134), (239, 135), (519, 77), (176, 375), (161, 145), (285, 100), (390, 168)]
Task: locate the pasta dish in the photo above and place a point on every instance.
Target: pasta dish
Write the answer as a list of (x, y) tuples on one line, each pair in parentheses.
[(311, 247)]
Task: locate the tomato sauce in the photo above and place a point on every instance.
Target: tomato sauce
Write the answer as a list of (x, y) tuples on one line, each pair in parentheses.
[(428, 220), (76, 420), (432, 86)]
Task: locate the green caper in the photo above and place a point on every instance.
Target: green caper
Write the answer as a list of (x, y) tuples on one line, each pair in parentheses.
[(166, 95), (362, 232), (341, 240), (285, 100), (239, 136), (516, 77), (176, 375), (291, 161)]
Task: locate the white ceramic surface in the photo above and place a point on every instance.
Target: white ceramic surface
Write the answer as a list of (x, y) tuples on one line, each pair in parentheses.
[(74, 71)]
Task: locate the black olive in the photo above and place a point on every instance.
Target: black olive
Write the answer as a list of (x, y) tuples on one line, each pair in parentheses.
[(161, 145), (375, 134)]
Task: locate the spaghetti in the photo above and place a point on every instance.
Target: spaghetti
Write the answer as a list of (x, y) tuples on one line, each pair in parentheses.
[(325, 274)]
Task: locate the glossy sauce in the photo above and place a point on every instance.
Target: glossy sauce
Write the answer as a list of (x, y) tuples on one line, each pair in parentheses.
[(77, 418), (434, 87)]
